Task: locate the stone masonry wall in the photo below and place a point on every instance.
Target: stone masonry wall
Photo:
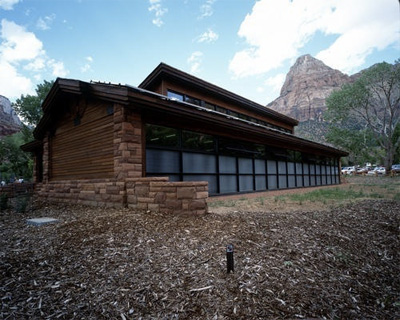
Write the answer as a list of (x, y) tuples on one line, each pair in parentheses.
[(154, 194), (102, 192), (160, 195), (128, 157)]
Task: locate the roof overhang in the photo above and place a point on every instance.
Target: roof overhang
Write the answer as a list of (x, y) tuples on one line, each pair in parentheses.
[(147, 101)]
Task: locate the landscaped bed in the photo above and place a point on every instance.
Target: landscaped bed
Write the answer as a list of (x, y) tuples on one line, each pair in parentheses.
[(337, 262)]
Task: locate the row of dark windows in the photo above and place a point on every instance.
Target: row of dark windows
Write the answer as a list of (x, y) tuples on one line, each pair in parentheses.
[(205, 104), (231, 166)]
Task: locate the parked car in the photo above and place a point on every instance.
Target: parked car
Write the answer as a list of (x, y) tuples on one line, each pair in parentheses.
[(396, 168), (377, 170), (348, 170), (362, 170), (344, 170)]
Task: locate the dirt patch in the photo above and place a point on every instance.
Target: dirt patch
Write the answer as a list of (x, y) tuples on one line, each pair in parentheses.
[(341, 263)]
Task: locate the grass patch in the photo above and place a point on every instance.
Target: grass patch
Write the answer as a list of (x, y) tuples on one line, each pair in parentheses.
[(222, 203), (323, 195)]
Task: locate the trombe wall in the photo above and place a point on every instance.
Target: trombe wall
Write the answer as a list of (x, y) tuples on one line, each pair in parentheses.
[(95, 157)]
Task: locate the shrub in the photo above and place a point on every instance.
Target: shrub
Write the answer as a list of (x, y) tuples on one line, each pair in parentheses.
[(21, 203), (3, 201)]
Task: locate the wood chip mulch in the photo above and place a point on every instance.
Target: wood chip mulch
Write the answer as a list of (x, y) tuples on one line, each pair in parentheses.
[(120, 264)]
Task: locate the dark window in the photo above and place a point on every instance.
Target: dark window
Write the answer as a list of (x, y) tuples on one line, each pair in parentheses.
[(174, 95), (161, 136), (193, 100), (235, 166), (197, 141)]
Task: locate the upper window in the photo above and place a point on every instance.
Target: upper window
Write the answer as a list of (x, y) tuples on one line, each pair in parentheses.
[(175, 95), (182, 97)]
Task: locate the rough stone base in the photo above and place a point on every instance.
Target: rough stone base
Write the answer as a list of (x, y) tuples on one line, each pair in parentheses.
[(154, 194)]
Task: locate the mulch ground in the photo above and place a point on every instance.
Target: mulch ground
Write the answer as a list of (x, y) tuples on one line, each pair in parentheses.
[(120, 264)]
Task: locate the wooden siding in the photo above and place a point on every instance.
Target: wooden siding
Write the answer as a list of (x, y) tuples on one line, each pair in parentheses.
[(84, 151)]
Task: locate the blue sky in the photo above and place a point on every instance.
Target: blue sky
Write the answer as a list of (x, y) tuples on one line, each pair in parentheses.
[(243, 46)]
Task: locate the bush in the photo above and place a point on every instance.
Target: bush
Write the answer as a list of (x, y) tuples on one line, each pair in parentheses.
[(3, 201), (21, 203)]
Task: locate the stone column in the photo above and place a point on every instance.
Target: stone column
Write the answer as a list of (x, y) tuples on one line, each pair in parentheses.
[(127, 143), (46, 159)]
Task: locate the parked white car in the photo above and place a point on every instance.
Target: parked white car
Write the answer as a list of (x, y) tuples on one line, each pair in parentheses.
[(377, 170), (348, 170)]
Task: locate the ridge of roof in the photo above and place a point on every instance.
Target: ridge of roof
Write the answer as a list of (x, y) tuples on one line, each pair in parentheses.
[(168, 71)]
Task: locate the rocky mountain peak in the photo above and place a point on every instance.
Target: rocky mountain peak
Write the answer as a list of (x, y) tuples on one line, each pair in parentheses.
[(308, 83), (9, 121)]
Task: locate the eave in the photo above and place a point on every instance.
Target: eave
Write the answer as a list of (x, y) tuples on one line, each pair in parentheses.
[(147, 101)]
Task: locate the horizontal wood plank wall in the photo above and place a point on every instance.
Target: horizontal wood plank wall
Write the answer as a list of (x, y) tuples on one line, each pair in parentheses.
[(84, 151)]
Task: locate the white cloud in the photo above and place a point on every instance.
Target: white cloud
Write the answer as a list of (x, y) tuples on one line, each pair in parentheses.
[(195, 61), (375, 27), (206, 9), (276, 30), (88, 65), (57, 68), (45, 23), (276, 82), (18, 43), (8, 4), (36, 65), (208, 36), (12, 84), (23, 59), (159, 11)]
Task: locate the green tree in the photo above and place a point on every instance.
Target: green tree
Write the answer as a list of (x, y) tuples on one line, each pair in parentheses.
[(29, 107), (368, 107), (15, 163)]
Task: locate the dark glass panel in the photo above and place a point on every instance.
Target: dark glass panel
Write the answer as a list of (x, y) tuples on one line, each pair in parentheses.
[(161, 136), (282, 167), (199, 163), (197, 141), (220, 109), (259, 166), (245, 183), (162, 161), (245, 165), (305, 167), (290, 166), (292, 181), (227, 164), (209, 106), (228, 183), (299, 180), (282, 182), (261, 183), (174, 95), (272, 184), (271, 167), (193, 100)]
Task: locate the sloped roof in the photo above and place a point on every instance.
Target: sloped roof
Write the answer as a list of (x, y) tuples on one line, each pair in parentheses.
[(164, 71)]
